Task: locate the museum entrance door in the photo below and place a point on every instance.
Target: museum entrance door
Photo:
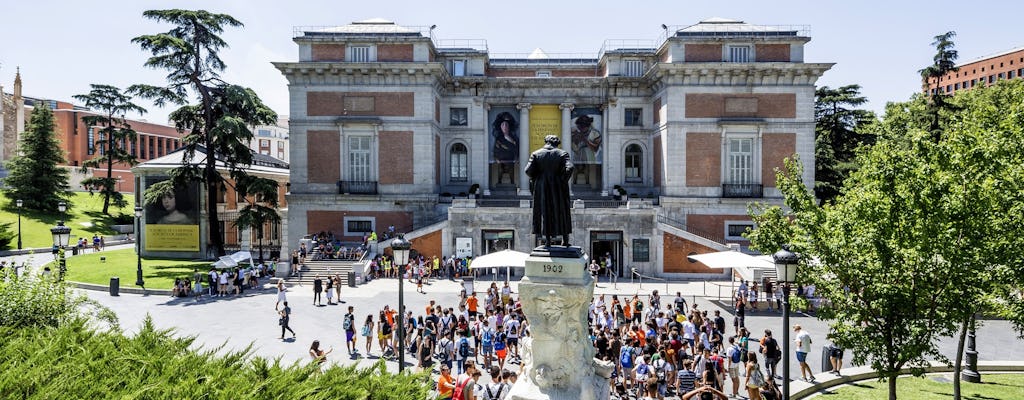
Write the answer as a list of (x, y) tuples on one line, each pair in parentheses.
[(605, 244)]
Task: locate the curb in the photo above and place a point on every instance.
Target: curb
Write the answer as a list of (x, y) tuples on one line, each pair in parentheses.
[(122, 289), (49, 250), (803, 390)]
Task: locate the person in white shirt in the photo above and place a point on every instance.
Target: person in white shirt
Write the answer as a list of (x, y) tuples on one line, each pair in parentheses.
[(803, 348), (512, 332), (689, 333), (495, 389)]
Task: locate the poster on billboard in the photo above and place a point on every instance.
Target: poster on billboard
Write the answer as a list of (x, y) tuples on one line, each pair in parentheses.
[(172, 219), (586, 135), (545, 119), (463, 247), (505, 142)]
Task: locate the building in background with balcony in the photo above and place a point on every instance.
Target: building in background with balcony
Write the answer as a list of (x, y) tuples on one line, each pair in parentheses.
[(671, 138)]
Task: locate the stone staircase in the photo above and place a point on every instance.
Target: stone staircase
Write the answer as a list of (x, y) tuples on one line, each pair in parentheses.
[(323, 267)]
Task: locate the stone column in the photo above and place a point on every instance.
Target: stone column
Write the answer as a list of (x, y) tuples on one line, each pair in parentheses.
[(566, 129), (484, 152), (558, 357), (524, 148)]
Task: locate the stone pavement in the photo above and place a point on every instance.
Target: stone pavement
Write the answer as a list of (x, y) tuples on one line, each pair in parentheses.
[(237, 321)]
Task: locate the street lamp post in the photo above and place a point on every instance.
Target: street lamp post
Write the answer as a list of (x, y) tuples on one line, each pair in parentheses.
[(138, 247), (785, 270), (61, 235), (19, 203), (400, 247)]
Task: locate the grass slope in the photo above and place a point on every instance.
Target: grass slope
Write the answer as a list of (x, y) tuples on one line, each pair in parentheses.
[(993, 386), (84, 216), (158, 273)]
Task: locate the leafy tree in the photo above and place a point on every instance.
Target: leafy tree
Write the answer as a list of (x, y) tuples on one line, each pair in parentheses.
[(36, 176), (113, 136), (260, 195), (841, 128), (218, 125)]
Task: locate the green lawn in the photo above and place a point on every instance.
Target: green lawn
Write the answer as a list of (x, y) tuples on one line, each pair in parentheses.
[(84, 214), (158, 273), (993, 386)]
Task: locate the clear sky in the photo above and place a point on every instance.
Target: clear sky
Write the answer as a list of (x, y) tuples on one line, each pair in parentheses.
[(63, 46)]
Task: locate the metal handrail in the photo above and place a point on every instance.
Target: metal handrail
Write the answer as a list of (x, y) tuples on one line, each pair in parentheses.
[(641, 277), (678, 224)]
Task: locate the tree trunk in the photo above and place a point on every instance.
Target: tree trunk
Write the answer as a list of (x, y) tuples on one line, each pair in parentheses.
[(958, 365), (892, 385)]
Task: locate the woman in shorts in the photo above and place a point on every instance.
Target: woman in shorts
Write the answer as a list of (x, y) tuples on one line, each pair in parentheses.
[(368, 332)]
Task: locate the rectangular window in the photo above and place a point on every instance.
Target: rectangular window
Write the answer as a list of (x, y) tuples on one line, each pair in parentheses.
[(263, 132), (739, 54), (956, 86), (991, 79), (90, 141), (1002, 75), (359, 158), (633, 68), (359, 226), (1009, 75), (458, 67), (641, 250), (634, 117), (359, 54), (458, 116), (734, 231), (634, 159), (543, 74), (280, 145), (459, 163), (264, 144), (741, 161), (152, 146), (132, 144), (280, 154), (159, 147)]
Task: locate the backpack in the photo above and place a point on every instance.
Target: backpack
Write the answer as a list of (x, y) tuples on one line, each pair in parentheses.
[(464, 348), (639, 306), (442, 351), (488, 338), (756, 378), (499, 344), (459, 388), (734, 354), (659, 371), (494, 396), (626, 358), (385, 328)]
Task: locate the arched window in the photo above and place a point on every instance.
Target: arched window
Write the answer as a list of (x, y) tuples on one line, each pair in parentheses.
[(634, 160), (458, 159)]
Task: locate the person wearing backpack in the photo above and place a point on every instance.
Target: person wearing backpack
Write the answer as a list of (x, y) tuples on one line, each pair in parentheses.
[(349, 325), (661, 372), (487, 343), (445, 352), (772, 353), (496, 389), (461, 352), (735, 360), (626, 357), (464, 383), (499, 346)]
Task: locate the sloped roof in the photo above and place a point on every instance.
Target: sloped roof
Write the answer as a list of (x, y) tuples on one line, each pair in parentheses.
[(730, 27), (261, 163), (373, 26)]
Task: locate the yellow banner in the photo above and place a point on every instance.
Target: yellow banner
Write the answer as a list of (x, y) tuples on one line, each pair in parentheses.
[(545, 119), (172, 237)]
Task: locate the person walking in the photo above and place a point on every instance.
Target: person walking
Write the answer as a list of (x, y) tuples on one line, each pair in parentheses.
[(367, 333), (285, 314), (349, 325), (755, 378), (330, 290), (281, 294), (803, 348), (318, 287), (771, 353)]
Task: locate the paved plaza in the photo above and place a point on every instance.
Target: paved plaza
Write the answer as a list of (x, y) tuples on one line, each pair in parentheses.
[(238, 321)]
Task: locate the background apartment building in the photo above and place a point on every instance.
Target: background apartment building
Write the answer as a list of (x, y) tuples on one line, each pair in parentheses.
[(981, 72), (671, 138)]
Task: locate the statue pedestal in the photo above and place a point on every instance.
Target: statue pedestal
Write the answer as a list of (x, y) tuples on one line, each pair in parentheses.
[(558, 358)]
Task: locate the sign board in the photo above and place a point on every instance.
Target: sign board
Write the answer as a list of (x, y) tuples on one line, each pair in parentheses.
[(463, 247)]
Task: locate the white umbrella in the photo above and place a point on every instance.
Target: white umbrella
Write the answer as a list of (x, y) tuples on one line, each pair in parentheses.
[(743, 263), (504, 258)]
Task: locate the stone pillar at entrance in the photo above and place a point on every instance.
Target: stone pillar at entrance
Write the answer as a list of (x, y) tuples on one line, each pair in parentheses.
[(524, 147), (558, 357)]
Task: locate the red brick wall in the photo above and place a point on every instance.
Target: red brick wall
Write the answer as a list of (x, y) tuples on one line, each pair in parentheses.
[(657, 161), (395, 158), (583, 72), (983, 69), (703, 159), (768, 105), (703, 53), (385, 104), (511, 73), (428, 245), (394, 52), (676, 249), (772, 52), (775, 147), (328, 52), (323, 220), (712, 224), (323, 154)]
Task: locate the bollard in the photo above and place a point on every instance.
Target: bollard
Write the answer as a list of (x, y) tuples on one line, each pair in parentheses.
[(115, 286)]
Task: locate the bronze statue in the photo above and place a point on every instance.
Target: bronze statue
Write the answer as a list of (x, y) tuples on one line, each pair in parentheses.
[(549, 170)]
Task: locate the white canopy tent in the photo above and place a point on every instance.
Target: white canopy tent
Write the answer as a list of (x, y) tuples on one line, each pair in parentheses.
[(747, 266), (232, 260), (505, 258)]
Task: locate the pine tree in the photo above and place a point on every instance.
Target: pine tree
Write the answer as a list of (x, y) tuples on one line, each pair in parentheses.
[(115, 133), (36, 176)]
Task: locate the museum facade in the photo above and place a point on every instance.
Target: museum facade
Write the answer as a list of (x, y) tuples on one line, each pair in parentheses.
[(671, 138)]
